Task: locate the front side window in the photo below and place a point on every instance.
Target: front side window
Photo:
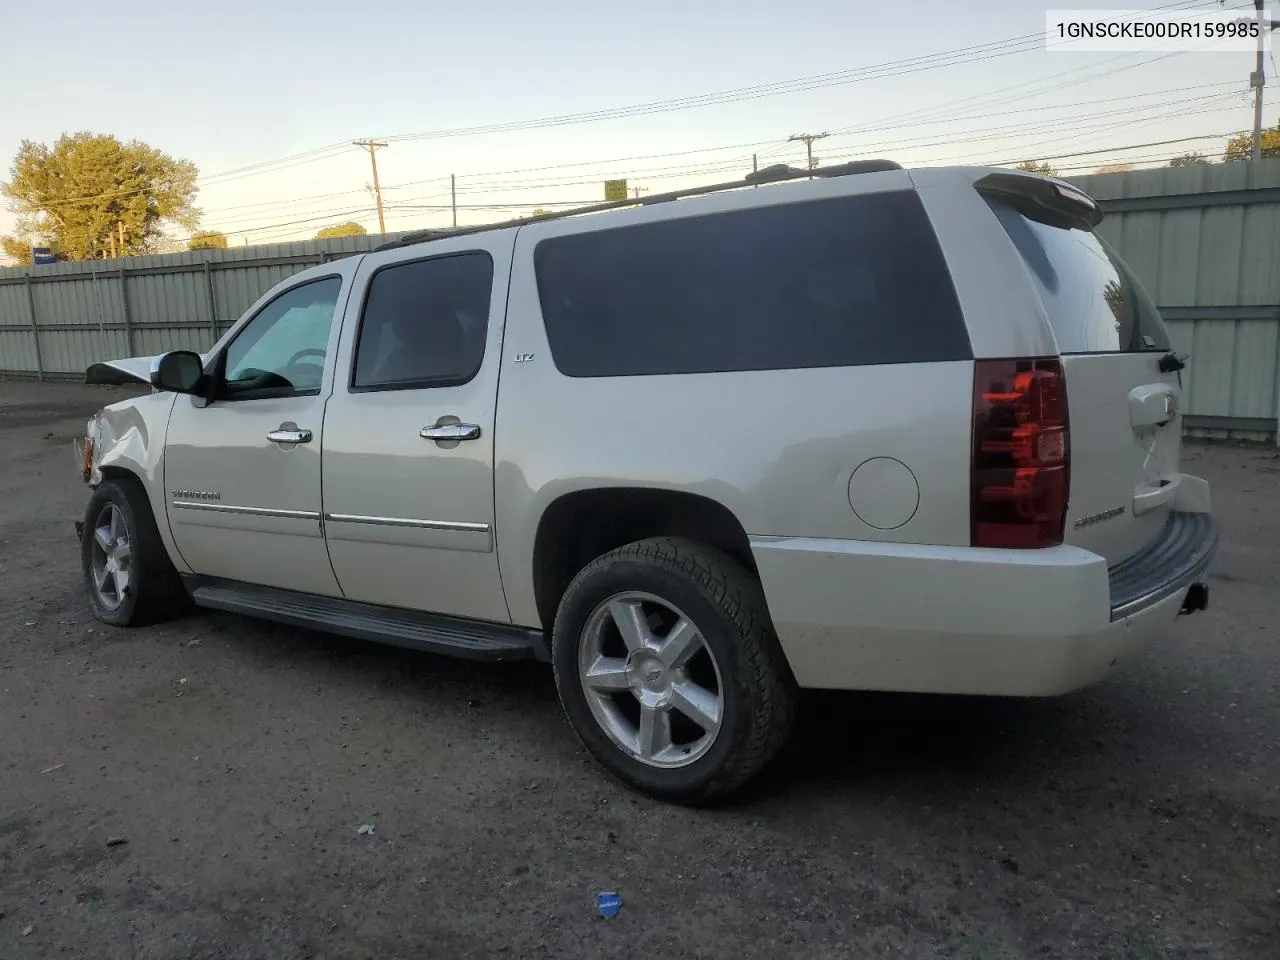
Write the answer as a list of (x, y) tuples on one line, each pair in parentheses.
[(282, 350), (424, 323)]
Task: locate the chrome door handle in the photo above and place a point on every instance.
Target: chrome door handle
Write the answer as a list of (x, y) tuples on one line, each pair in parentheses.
[(289, 435), (451, 431)]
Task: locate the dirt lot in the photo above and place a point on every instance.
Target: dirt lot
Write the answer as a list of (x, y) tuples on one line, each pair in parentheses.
[(1137, 819)]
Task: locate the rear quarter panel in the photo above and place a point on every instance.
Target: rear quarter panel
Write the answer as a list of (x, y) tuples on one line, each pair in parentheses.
[(1001, 308), (776, 447)]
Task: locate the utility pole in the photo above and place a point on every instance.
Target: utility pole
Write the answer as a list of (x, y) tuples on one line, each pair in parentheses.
[(120, 226), (1257, 80), (453, 195), (808, 138), (371, 146)]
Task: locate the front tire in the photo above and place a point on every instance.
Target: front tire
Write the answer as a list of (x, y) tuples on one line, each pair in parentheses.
[(127, 571), (669, 670)]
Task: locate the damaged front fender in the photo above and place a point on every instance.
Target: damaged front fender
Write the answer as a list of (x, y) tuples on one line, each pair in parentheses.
[(128, 437)]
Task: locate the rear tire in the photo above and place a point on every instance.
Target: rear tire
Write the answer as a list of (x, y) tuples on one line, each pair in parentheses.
[(127, 571), (669, 670)]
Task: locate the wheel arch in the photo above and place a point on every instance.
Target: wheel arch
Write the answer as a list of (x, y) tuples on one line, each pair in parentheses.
[(579, 526)]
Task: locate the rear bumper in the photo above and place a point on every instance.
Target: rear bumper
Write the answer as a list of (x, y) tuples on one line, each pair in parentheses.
[(857, 615), (1168, 566)]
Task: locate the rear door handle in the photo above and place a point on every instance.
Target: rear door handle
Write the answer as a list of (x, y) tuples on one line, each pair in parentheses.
[(451, 431), (285, 434)]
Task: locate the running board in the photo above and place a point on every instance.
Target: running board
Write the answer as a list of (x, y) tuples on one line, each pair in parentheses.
[(434, 633)]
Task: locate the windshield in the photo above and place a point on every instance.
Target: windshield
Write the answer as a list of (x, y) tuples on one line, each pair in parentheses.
[(1094, 302)]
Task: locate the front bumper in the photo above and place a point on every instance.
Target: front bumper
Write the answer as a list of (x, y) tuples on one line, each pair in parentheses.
[(857, 615)]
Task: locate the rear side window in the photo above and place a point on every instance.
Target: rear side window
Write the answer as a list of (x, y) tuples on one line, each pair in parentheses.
[(843, 282), (424, 323), (1094, 302)]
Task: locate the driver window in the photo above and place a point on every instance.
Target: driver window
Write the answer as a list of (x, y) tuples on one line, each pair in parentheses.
[(281, 351)]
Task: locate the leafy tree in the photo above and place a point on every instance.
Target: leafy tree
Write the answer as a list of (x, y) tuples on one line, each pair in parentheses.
[(207, 240), (91, 195), (16, 249), (348, 229), (1241, 147), (1037, 166), (1191, 160), (539, 212), (1115, 168)]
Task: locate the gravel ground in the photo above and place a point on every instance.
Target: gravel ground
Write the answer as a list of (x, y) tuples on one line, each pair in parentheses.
[(196, 789)]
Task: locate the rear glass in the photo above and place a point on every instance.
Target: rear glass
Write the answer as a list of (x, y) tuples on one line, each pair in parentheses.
[(1094, 302), (841, 282)]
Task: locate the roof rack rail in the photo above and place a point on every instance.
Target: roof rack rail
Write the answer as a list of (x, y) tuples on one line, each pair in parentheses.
[(778, 173)]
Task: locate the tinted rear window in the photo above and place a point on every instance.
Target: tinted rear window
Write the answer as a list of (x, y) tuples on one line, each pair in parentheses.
[(424, 323), (1094, 302), (842, 282)]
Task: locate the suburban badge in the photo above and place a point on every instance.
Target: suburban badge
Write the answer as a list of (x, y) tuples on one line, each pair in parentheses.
[(1098, 517)]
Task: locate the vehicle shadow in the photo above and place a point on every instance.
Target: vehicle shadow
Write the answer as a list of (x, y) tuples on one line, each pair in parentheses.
[(935, 747), (845, 747)]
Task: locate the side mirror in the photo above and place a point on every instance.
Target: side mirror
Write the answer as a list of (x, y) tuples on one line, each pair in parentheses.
[(179, 371)]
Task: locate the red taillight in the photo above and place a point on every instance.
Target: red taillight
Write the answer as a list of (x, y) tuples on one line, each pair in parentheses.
[(1021, 453)]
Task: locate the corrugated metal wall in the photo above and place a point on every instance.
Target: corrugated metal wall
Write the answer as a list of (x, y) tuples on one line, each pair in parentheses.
[(1205, 241), (141, 305)]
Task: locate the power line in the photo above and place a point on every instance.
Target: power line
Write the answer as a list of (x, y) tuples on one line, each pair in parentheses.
[(1038, 149), (1035, 148), (482, 181), (442, 207), (993, 98), (973, 53), (1064, 124), (1136, 146), (937, 60)]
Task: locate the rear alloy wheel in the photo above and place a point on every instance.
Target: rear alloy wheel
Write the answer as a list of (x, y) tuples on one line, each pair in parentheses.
[(669, 670), (650, 680)]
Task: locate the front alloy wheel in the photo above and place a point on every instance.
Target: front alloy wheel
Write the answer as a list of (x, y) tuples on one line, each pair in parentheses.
[(110, 558), (127, 571)]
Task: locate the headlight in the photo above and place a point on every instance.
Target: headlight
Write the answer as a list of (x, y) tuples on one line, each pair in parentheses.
[(86, 460), (84, 448)]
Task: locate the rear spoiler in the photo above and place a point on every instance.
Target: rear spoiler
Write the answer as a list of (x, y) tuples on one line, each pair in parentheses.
[(1044, 199)]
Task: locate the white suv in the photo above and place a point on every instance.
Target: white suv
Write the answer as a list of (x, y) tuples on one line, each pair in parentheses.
[(865, 429)]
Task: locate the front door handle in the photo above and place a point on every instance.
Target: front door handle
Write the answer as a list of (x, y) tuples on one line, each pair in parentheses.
[(289, 434), (451, 431)]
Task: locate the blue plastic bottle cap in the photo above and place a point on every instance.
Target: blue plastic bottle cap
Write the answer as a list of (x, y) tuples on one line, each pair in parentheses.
[(608, 903)]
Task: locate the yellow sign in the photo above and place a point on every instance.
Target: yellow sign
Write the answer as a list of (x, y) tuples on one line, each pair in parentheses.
[(615, 190)]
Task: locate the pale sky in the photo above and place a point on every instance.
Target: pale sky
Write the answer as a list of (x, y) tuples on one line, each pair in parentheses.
[(237, 84)]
